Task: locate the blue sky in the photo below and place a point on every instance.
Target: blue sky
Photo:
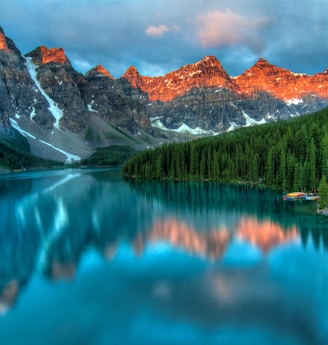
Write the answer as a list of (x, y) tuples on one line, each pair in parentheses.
[(159, 36)]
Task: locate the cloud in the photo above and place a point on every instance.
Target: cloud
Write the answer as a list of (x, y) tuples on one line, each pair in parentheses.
[(160, 30), (157, 30), (227, 28)]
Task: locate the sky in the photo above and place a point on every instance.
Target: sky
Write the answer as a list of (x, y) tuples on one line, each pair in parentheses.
[(159, 36)]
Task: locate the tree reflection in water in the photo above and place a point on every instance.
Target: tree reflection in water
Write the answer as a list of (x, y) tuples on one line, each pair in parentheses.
[(51, 220)]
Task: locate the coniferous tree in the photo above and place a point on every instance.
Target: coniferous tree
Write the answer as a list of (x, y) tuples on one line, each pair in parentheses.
[(323, 193), (291, 154)]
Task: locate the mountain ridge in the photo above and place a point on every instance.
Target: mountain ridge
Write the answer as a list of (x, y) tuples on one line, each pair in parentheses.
[(261, 76), (68, 115)]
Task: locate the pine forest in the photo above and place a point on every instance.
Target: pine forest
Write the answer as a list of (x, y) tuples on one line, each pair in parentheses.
[(291, 155)]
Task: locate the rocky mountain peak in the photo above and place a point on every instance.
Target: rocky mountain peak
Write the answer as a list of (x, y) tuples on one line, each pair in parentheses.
[(42, 55), (209, 61), (99, 70), (209, 66), (208, 72), (261, 62), (3, 41), (133, 76)]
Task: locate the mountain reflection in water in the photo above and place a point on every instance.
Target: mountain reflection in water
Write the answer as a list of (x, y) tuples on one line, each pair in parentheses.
[(52, 221)]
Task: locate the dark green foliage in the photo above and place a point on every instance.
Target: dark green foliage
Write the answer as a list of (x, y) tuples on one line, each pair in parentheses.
[(289, 154), (323, 192), (109, 156), (17, 156)]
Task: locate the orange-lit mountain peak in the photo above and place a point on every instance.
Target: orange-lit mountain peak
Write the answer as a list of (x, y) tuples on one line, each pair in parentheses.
[(130, 72), (262, 62), (209, 67), (53, 55), (100, 70), (42, 55), (3, 42), (264, 235), (207, 72), (209, 60), (133, 76)]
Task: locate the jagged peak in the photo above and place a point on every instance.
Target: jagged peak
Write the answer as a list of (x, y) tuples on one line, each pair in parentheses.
[(132, 75), (43, 55), (3, 41), (209, 60), (100, 70), (131, 71), (262, 61), (53, 55)]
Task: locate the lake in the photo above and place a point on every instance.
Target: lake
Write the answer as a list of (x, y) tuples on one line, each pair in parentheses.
[(87, 258)]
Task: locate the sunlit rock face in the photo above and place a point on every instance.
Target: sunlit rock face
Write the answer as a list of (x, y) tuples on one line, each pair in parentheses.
[(3, 42), (99, 71), (208, 72), (280, 82), (43, 55), (205, 73), (202, 95)]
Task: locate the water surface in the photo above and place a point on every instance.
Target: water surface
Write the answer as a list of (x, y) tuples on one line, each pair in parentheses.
[(86, 258)]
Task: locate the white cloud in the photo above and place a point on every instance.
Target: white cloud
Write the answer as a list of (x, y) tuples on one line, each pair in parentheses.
[(159, 30)]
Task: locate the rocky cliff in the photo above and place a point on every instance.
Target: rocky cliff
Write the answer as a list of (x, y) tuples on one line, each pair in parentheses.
[(64, 114)]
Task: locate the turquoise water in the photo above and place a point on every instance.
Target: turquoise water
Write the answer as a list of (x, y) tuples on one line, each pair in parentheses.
[(86, 258)]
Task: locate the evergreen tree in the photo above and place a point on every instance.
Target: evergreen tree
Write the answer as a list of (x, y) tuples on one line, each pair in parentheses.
[(323, 193)]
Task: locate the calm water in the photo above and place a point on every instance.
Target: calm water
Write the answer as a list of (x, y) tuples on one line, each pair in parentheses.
[(86, 258)]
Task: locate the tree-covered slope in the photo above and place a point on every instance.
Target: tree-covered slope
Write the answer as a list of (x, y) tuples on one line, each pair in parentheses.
[(291, 155), (15, 155)]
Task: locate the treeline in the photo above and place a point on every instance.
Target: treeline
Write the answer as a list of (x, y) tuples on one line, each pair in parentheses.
[(292, 155), (109, 156)]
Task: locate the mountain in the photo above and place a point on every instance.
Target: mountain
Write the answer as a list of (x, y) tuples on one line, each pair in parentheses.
[(202, 98), (65, 115)]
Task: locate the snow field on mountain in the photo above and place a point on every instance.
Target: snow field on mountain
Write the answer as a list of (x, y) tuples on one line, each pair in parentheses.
[(55, 111)]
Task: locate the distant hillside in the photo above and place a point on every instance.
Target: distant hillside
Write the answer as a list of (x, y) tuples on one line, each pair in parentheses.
[(290, 154), (15, 155)]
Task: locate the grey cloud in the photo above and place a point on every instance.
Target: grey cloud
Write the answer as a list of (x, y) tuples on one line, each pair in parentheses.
[(113, 33)]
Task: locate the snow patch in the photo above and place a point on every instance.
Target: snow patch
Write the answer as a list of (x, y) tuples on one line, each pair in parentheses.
[(90, 107), (232, 127), (156, 122), (21, 131), (17, 116), (252, 122), (69, 157), (60, 82), (192, 74), (32, 114), (55, 111), (299, 74), (294, 101)]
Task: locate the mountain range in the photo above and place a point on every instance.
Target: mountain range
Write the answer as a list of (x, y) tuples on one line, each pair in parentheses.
[(66, 115)]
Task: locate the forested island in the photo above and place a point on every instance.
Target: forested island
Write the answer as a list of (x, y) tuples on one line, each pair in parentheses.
[(290, 155)]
